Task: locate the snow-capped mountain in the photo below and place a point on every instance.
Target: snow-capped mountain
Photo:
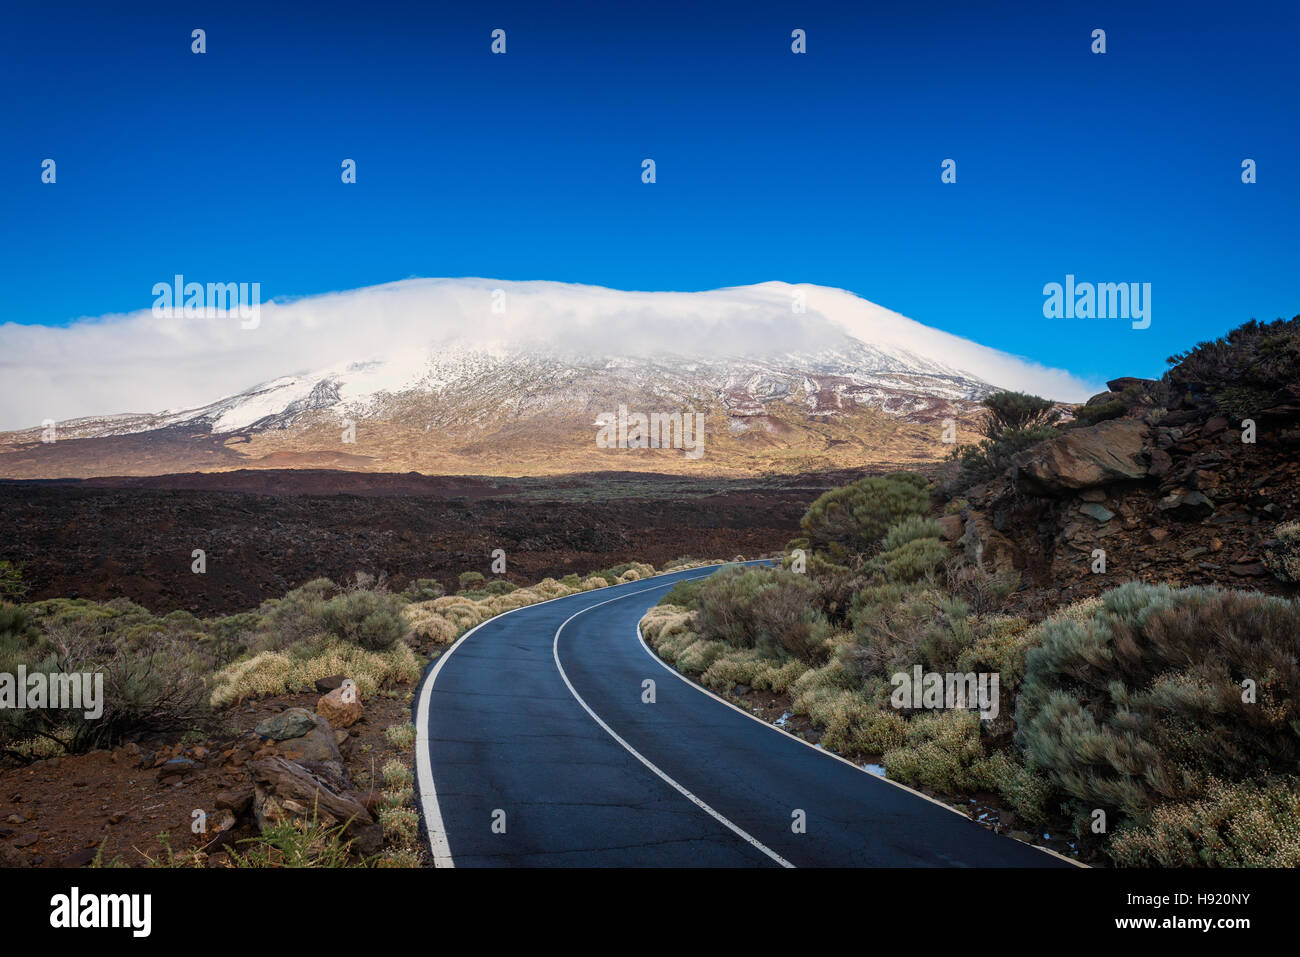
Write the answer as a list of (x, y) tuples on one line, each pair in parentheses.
[(446, 373)]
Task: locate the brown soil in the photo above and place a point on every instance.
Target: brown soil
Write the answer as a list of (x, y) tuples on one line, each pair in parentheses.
[(72, 806)]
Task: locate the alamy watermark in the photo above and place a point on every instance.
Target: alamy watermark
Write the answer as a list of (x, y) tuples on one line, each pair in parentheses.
[(78, 691), (932, 690), (658, 430), (1103, 300), (193, 300)]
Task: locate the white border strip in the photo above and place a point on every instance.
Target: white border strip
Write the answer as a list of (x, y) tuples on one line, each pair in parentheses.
[(740, 832), (433, 822), (830, 754)]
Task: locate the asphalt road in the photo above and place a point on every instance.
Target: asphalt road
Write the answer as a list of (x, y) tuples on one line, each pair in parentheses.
[(535, 748)]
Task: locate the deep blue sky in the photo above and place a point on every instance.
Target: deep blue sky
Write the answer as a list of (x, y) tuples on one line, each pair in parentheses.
[(818, 168)]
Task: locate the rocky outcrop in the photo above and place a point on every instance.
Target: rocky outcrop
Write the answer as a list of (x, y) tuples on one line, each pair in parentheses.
[(1111, 451), (985, 546)]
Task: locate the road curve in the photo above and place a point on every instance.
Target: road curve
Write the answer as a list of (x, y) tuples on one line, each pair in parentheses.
[(534, 748)]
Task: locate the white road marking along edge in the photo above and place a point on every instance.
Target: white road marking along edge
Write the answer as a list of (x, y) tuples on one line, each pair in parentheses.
[(830, 754), (433, 824), (740, 832)]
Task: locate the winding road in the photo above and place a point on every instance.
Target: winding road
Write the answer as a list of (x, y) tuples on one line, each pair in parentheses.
[(535, 748)]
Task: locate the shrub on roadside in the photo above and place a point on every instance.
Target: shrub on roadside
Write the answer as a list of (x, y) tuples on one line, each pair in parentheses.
[(1141, 702), (910, 529), (850, 521), (401, 825), (368, 619), (152, 674), (942, 750), (764, 608), (400, 737), (297, 669), (1231, 825)]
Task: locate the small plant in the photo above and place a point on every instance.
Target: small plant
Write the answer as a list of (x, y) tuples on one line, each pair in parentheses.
[(423, 589), (170, 858), (400, 737), (404, 857), (401, 825), (396, 775), (1283, 557), (402, 797), (295, 844)]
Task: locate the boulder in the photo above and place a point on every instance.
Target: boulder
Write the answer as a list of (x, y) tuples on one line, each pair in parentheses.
[(329, 683), (285, 790), (342, 706), (290, 723), (316, 746), (1111, 451), (950, 527)]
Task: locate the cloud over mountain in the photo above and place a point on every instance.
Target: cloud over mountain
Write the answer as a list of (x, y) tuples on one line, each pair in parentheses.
[(141, 362)]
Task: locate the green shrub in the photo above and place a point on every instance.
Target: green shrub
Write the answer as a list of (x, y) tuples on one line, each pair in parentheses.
[(400, 737), (1111, 408), (1263, 356), (851, 520), (910, 529), (370, 620), (1242, 402), (1001, 644), (396, 775), (853, 717), (754, 669), (295, 844), (294, 618), (1232, 825), (471, 580), (764, 608), (423, 589), (1023, 787), (913, 561), (685, 593), (942, 751), (1140, 702), (992, 456), (153, 677), (400, 825), (1016, 412), (899, 626)]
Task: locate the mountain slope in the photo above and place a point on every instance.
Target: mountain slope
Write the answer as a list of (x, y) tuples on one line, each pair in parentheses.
[(840, 383)]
